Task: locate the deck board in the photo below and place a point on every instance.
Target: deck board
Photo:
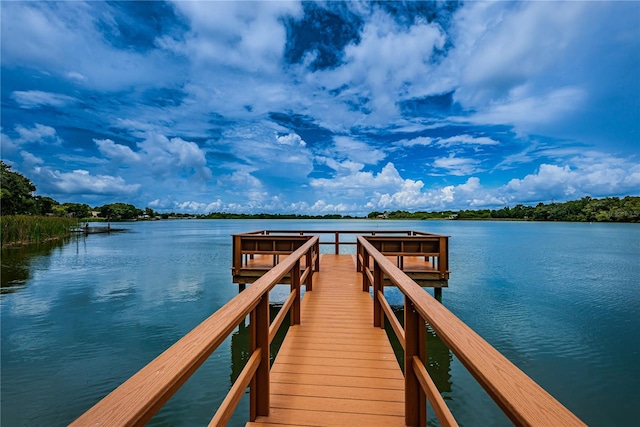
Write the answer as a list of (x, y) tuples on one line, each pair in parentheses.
[(335, 368)]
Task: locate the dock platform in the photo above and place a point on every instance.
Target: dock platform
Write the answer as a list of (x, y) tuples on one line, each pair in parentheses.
[(335, 367)]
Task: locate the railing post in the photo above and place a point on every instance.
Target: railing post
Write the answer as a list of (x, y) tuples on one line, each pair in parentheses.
[(358, 254), (295, 286), (317, 250), (259, 338), (443, 261), (237, 254), (337, 243), (365, 269), (309, 260), (415, 399), (378, 286)]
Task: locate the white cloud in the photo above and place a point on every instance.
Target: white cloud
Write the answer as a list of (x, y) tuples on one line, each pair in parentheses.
[(594, 174), (410, 195), (82, 182), (37, 98), (356, 151), (457, 166), (47, 36), (167, 156), (30, 160), (527, 111), (291, 139), (38, 134), (466, 140), (232, 34), (117, 152), (387, 177), (386, 57), (421, 140), (74, 75)]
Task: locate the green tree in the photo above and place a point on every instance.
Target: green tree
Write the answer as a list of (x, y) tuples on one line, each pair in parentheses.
[(16, 192), (44, 205), (77, 210), (119, 212)]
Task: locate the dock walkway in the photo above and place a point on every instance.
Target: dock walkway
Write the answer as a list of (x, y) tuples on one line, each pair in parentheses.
[(336, 368), (335, 365)]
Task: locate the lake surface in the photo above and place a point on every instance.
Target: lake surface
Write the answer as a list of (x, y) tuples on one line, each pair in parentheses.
[(560, 300)]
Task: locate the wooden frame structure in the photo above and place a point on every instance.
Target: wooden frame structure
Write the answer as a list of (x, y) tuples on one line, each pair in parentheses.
[(141, 396), (422, 256)]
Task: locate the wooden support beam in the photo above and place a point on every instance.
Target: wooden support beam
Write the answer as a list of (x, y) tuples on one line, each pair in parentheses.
[(259, 339), (415, 346)]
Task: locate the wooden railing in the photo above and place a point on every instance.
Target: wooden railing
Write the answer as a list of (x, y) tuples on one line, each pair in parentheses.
[(434, 248), (336, 242), (519, 397), (141, 396)]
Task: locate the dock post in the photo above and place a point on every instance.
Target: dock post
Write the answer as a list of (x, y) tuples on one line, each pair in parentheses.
[(259, 339), (309, 282), (437, 293), (415, 399), (365, 270), (378, 286), (295, 287)]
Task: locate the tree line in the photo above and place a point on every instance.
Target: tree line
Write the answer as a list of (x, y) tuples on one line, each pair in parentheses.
[(17, 198), (587, 209)]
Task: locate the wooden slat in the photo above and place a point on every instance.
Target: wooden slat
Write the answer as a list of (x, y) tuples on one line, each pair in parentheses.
[(335, 368)]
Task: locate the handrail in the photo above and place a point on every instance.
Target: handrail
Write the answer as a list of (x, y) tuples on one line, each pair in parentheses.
[(136, 400), (520, 398), (336, 242)]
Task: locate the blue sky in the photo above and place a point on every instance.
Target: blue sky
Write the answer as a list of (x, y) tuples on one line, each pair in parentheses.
[(328, 107)]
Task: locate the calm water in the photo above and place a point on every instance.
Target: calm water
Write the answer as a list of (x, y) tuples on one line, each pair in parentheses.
[(562, 301)]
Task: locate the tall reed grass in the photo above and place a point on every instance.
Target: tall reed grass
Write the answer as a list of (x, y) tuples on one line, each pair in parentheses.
[(26, 229)]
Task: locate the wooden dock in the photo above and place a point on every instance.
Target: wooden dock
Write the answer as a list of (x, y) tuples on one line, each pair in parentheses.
[(335, 368)]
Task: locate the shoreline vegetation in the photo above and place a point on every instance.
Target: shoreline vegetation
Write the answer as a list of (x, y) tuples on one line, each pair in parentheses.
[(27, 218), (18, 230)]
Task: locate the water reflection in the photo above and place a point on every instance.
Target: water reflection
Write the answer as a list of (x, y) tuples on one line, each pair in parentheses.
[(17, 263), (240, 342), (439, 357)]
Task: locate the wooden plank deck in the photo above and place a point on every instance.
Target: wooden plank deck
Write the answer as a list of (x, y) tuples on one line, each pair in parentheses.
[(335, 368)]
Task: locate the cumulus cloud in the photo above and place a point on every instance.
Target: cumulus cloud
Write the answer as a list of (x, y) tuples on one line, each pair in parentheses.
[(386, 56), (164, 156), (409, 113), (82, 182), (594, 174), (291, 139), (388, 176), (232, 34), (39, 133), (117, 152)]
